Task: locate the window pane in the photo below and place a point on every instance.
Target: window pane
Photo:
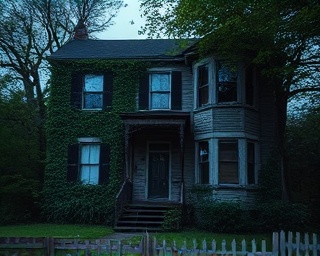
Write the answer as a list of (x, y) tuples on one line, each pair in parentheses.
[(203, 162), (203, 96), (93, 83), (92, 101), (90, 154), (203, 85), (228, 162), (203, 75), (227, 74), (160, 100), (204, 173), (90, 174), (160, 82)]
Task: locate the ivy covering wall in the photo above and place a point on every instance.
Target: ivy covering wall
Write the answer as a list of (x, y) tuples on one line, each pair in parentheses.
[(66, 202)]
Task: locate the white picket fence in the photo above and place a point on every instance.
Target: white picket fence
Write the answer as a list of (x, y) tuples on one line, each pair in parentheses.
[(282, 245)]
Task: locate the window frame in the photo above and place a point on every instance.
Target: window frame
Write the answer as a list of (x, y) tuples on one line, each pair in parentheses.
[(84, 92), (82, 165), (236, 82), (168, 92), (237, 161)]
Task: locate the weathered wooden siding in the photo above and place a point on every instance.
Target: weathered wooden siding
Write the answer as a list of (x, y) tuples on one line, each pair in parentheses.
[(252, 122), (202, 121), (187, 89), (227, 119)]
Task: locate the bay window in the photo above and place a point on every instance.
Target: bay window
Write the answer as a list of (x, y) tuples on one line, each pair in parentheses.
[(228, 162), (203, 156)]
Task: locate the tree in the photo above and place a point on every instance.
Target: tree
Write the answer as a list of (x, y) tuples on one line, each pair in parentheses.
[(281, 38), (32, 29)]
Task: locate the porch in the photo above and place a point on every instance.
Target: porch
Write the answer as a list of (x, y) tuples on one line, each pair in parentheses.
[(154, 169)]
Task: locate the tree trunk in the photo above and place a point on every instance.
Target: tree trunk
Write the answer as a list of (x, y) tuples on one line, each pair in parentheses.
[(281, 122)]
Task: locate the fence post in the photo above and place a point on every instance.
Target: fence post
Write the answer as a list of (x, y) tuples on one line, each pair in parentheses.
[(214, 246), (49, 241), (264, 248), (275, 243), (306, 244), (223, 249), (289, 245), (298, 244), (254, 246), (234, 247), (314, 244), (282, 243)]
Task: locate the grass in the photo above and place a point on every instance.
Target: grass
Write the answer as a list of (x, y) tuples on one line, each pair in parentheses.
[(55, 230), (95, 232), (199, 236)]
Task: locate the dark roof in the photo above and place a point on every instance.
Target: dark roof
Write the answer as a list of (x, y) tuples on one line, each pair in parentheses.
[(164, 49)]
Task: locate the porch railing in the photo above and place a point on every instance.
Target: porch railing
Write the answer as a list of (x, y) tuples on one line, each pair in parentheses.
[(122, 198)]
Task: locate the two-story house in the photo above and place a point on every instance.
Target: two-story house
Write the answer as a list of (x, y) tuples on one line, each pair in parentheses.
[(157, 119)]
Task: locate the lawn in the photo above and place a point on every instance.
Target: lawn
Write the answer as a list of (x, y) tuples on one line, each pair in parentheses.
[(94, 232), (54, 230)]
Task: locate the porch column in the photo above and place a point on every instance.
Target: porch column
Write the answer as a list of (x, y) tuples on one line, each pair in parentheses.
[(181, 133), (126, 149)]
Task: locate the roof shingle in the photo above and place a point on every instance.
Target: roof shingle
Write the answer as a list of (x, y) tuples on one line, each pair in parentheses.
[(120, 49)]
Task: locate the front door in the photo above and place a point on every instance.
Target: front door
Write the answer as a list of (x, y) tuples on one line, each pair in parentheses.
[(158, 174)]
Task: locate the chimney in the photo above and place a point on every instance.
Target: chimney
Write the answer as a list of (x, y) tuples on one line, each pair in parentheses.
[(80, 31)]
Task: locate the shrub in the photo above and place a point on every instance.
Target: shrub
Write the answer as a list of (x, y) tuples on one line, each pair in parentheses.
[(280, 215), (19, 199), (219, 216), (172, 220)]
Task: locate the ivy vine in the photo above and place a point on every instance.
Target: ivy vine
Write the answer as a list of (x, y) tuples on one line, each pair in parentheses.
[(78, 203)]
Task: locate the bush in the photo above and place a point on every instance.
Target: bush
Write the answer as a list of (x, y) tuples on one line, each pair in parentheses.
[(219, 216), (280, 215), (172, 220), (19, 199)]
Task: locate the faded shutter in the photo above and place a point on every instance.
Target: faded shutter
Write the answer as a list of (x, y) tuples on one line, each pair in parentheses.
[(73, 162), (107, 90), (176, 90), (76, 90), (144, 92), (104, 169)]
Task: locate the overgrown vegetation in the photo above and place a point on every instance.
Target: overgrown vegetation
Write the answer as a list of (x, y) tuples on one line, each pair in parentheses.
[(74, 202)]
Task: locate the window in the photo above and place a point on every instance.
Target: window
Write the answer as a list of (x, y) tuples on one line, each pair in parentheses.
[(88, 161), (251, 179), (203, 162), (203, 85), (160, 91), (228, 162), (91, 91), (227, 75), (249, 85)]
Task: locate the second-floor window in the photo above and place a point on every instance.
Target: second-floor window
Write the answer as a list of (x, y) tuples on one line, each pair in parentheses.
[(203, 85), (161, 91), (91, 91), (227, 76)]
